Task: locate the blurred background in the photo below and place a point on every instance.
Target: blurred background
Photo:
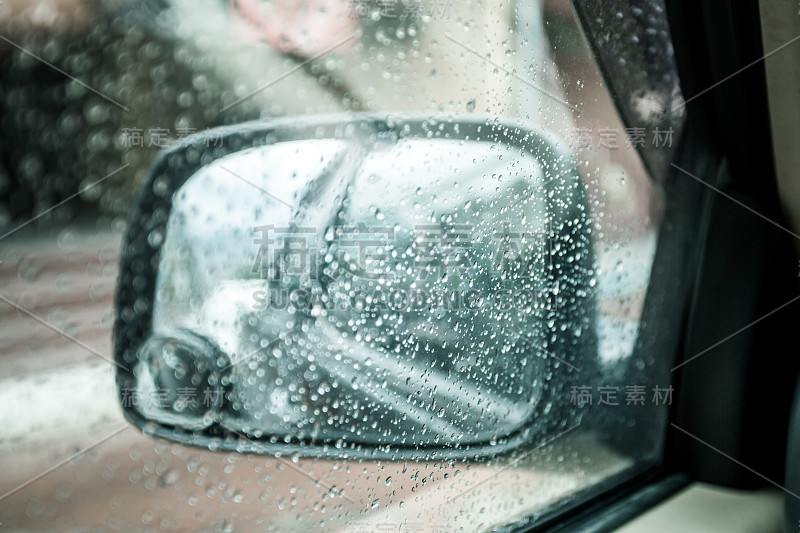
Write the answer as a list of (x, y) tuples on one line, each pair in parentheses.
[(90, 86)]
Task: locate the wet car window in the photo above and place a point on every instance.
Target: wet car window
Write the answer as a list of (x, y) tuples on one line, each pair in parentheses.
[(90, 94)]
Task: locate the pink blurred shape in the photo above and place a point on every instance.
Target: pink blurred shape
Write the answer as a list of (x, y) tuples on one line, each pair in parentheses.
[(301, 27)]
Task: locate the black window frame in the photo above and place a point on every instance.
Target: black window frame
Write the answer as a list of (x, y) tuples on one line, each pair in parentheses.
[(723, 170)]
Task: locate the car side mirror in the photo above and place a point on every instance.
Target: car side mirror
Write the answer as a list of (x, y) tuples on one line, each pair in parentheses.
[(357, 286)]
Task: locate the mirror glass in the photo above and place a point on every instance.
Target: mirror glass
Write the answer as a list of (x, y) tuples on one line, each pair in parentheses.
[(362, 289)]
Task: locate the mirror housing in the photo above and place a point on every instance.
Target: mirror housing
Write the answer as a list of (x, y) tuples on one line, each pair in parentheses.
[(396, 287)]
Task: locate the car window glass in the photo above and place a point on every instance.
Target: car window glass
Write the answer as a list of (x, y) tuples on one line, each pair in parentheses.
[(90, 93)]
